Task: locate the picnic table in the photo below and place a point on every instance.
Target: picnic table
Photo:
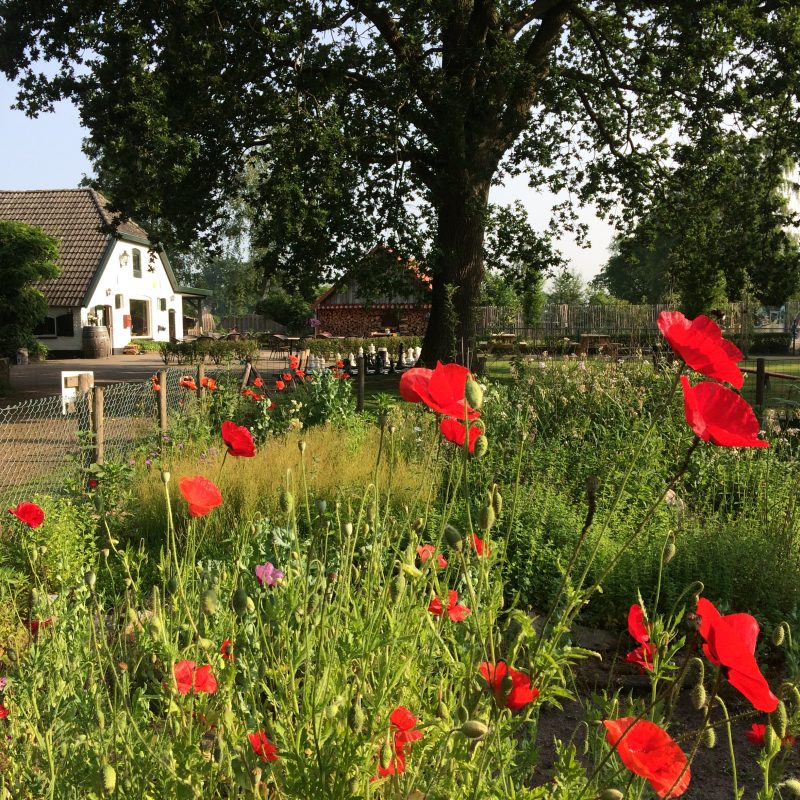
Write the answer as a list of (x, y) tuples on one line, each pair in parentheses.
[(596, 341)]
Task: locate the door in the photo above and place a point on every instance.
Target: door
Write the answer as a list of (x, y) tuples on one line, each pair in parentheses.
[(108, 321), (172, 336)]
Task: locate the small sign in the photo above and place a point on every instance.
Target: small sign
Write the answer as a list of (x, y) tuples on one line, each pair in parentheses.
[(70, 381)]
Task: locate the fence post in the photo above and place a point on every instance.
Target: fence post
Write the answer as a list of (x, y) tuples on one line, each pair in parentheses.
[(360, 382), (162, 400), (201, 373), (87, 425), (246, 377), (761, 381), (98, 424)]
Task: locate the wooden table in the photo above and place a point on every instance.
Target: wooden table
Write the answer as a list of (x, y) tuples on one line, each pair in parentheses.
[(596, 341)]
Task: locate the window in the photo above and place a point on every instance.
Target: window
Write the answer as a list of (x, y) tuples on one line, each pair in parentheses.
[(51, 326), (47, 327), (140, 318), (118, 301), (162, 303), (137, 263)]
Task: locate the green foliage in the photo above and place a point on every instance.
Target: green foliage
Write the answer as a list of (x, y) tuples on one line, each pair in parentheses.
[(217, 351), (568, 287), (286, 307), (28, 255)]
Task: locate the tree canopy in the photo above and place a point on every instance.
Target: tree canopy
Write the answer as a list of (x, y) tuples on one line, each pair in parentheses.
[(370, 120), (27, 255)]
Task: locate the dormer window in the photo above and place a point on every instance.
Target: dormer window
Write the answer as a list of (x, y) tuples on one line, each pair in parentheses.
[(137, 263)]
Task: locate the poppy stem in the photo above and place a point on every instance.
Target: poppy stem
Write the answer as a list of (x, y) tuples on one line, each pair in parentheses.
[(731, 752)]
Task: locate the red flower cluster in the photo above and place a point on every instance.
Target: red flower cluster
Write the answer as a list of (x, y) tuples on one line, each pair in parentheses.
[(201, 494), (29, 513), (755, 735), (651, 753), (239, 440), (191, 678), (456, 612), (187, 381), (402, 724), (514, 697), (263, 747), (730, 642), (700, 345), (208, 383), (258, 383), (643, 655), (426, 551)]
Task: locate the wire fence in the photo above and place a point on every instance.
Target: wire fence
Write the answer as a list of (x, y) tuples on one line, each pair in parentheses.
[(45, 442)]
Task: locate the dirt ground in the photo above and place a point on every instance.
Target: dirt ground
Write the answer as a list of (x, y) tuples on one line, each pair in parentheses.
[(711, 768)]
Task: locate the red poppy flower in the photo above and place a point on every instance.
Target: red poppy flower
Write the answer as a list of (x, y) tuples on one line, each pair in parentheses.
[(402, 723), (719, 415), (643, 656), (756, 732), (29, 513), (280, 385), (262, 746), (4, 712), (188, 383), (441, 389), (636, 627), (518, 695), (201, 494), (426, 551), (226, 650), (456, 612), (208, 383), (258, 383), (191, 678), (700, 344), (238, 439), (340, 364), (156, 387), (651, 753), (730, 642), (481, 548), (287, 376), (299, 373), (455, 432), (34, 625), (293, 361), (93, 483)]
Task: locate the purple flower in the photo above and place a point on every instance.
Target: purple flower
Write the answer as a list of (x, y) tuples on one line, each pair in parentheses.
[(267, 574), (3, 683), (147, 462)]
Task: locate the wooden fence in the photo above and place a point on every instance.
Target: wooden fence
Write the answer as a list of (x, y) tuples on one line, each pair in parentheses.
[(257, 323)]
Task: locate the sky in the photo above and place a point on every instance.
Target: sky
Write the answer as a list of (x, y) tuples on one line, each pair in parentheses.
[(45, 153)]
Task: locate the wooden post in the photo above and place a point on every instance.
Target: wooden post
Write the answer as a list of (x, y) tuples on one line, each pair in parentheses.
[(98, 425), (761, 382), (201, 373), (360, 383), (246, 377), (84, 394), (162, 400)]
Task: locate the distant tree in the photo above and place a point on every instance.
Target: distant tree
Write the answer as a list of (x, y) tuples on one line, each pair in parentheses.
[(27, 255), (568, 288), (285, 306), (601, 297)]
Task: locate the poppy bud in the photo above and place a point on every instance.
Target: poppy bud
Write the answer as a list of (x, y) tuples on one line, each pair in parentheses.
[(778, 635), (698, 696), (165, 476), (779, 720), (356, 718), (506, 684), (398, 586), (481, 447), (386, 755), (709, 738), (241, 602), (610, 794), (209, 602), (172, 585), (301, 446), (442, 711), (101, 719), (462, 715), (452, 537), (486, 518), (419, 524), (497, 501), (322, 506), (670, 550), (286, 502), (347, 528), (371, 512), (473, 393), (772, 744), (474, 729), (206, 644), (696, 666), (90, 579), (792, 785), (411, 570), (108, 778)]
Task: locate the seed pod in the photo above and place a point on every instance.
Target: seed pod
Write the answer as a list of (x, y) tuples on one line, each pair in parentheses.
[(301, 446), (474, 729), (709, 739), (497, 501), (778, 635), (481, 447), (419, 524), (347, 529), (610, 794), (371, 511), (473, 393), (322, 506), (209, 602), (453, 537), (386, 755), (241, 601), (286, 502), (698, 696), (486, 518), (792, 785), (108, 778), (779, 720), (165, 476), (90, 579)]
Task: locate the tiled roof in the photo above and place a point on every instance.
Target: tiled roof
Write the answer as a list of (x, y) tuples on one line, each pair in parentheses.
[(76, 218)]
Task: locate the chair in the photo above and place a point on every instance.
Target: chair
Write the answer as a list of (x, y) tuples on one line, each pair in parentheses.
[(278, 346)]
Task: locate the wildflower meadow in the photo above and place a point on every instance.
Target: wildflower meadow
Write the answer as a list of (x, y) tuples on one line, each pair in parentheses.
[(282, 599)]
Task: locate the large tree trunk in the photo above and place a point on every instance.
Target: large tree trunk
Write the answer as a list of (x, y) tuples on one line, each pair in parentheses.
[(457, 272)]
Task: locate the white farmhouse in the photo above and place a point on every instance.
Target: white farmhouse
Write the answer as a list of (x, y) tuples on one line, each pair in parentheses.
[(109, 280)]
